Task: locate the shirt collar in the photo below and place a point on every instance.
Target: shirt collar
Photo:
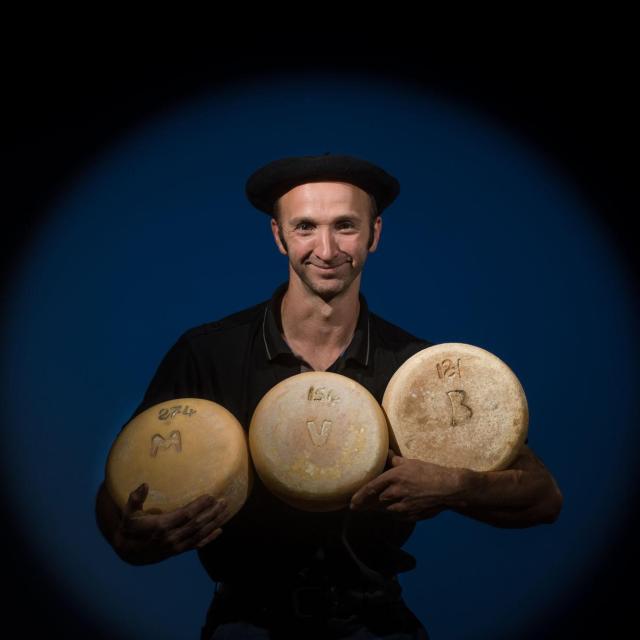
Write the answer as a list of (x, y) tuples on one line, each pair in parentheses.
[(275, 345)]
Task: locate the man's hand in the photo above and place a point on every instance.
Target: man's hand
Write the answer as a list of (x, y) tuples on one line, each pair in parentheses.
[(145, 538), (412, 489)]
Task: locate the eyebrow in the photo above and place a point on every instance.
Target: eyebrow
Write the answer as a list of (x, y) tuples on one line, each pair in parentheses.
[(346, 217)]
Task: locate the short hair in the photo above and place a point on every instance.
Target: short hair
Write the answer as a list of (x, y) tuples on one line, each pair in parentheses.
[(373, 214)]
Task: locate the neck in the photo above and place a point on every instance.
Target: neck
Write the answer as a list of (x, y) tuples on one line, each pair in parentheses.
[(310, 322)]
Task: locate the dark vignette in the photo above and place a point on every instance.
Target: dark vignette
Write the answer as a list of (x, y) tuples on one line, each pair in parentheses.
[(571, 101)]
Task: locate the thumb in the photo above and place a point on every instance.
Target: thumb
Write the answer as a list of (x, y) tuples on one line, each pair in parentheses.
[(396, 460), (136, 499)]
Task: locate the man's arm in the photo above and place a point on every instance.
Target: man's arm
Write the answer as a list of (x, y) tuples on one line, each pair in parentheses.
[(143, 538), (140, 537), (524, 495)]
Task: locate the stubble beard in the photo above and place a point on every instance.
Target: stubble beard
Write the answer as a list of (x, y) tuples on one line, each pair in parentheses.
[(328, 289), (326, 295)]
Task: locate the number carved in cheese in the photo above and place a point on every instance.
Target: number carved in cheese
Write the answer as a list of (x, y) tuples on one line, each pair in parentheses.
[(168, 413), (322, 394)]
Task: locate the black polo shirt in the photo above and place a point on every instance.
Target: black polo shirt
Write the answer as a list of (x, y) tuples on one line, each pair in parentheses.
[(234, 362)]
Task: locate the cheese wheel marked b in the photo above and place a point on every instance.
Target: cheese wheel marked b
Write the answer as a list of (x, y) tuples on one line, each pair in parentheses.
[(457, 405)]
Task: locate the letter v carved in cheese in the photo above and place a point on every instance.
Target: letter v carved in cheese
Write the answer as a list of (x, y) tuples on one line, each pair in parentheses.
[(319, 437)]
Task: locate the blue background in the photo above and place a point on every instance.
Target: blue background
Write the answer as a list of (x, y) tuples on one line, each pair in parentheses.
[(489, 243)]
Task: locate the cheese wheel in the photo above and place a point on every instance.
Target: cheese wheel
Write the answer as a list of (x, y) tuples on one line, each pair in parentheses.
[(457, 405), (316, 438), (182, 449)]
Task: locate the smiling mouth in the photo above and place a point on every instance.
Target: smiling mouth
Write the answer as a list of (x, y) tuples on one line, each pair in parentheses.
[(329, 268)]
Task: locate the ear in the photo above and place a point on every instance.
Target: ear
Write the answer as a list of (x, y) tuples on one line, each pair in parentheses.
[(377, 230), (276, 236)]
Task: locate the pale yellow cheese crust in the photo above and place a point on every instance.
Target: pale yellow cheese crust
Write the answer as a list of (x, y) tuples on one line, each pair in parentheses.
[(457, 405), (316, 438), (182, 449)]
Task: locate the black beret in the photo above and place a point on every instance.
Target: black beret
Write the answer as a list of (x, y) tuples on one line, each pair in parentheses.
[(268, 183)]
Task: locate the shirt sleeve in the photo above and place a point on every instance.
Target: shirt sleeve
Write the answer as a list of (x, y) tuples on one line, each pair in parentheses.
[(177, 376)]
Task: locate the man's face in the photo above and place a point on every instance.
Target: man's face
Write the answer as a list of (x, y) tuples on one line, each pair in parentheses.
[(325, 227)]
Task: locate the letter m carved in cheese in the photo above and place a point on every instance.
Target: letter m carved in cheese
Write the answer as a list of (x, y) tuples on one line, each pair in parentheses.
[(158, 442)]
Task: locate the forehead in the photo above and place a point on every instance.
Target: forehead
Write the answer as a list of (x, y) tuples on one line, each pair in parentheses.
[(325, 197)]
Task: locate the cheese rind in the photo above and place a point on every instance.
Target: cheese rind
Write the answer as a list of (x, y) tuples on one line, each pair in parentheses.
[(316, 438), (182, 449), (457, 405)]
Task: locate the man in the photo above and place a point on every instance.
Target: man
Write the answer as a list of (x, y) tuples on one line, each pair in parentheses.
[(282, 572)]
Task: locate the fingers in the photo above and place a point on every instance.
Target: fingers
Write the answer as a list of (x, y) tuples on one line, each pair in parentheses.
[(136, 500), (367, 495), (217, 510), (389, 495), (379, 501), (200, 526), (162, 525), (369, 492), (145, 537), (209, 538), (184, 515), (206, 535), (395, 460), (199, 531)]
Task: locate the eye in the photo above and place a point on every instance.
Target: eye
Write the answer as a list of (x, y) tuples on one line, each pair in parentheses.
[(345, 225), (304, 226)]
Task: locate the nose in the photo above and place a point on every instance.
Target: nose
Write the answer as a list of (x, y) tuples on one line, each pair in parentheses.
[(326, 246)]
